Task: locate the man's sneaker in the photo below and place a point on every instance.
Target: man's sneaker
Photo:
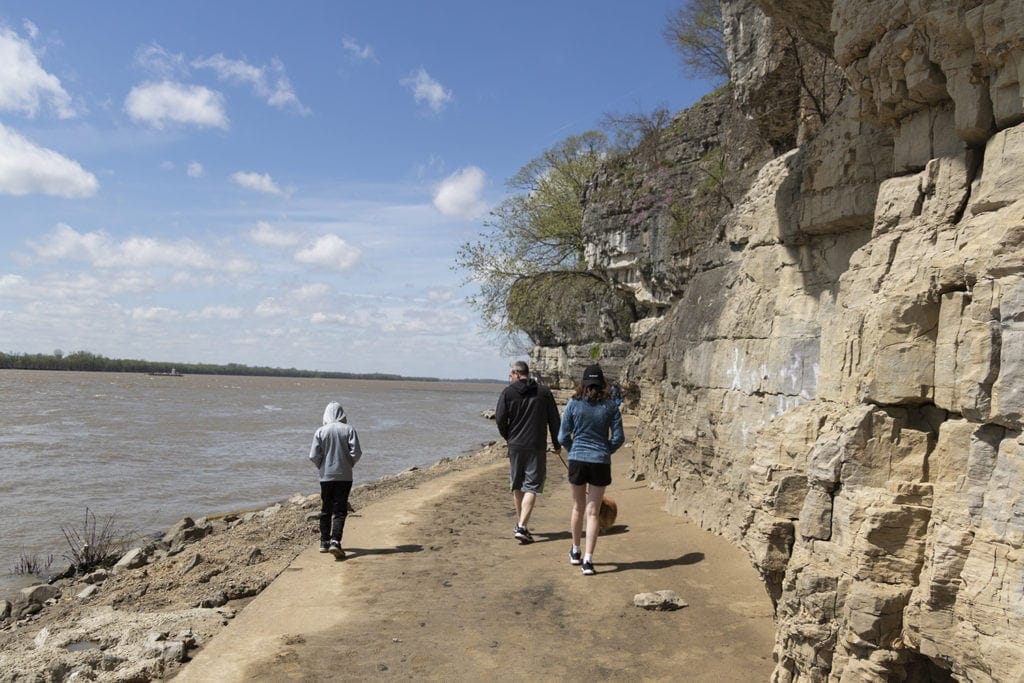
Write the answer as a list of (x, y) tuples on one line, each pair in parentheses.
[(336, 550), (588, 568), (523, 534), (324, 547), (575, 556)]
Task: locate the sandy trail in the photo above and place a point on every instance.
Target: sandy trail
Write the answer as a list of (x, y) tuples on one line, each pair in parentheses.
[(435, 587)]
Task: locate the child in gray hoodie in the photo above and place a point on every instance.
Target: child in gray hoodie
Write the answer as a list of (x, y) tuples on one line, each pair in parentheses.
[(334, 451)]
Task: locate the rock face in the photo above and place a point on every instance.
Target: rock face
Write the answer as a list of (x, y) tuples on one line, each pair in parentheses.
[(831, 367)]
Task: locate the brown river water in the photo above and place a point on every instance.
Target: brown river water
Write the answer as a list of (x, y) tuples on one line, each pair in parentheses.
[(149, 450)]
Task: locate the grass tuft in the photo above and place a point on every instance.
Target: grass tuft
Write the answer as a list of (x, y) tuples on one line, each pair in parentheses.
[(95, 544)]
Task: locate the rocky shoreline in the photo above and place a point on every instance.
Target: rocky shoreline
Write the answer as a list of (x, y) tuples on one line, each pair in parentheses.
[(143, 617)]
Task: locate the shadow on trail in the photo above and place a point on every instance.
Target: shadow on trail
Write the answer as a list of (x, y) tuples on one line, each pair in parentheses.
[(566, 535), (359, 552), (688, 558)]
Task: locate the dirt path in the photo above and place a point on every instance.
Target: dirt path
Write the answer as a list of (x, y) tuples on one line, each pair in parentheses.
[(435, 587)]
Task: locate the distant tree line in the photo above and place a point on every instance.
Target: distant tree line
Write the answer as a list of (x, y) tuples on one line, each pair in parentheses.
[(92, 362)]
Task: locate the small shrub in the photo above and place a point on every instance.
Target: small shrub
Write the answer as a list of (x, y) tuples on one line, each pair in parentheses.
[(95, 543), (682, 220), (32, 564)]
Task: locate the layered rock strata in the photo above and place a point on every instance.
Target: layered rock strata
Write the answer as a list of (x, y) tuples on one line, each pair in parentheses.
[(837, 380)]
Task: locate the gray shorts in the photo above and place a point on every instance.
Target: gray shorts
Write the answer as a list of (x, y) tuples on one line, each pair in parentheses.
[(527, 470)]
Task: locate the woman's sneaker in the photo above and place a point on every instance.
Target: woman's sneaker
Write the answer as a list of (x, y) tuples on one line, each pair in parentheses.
[(523, 534), (575, 556), (588, 569)]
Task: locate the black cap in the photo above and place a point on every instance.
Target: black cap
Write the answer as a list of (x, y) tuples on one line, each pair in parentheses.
[(592, 376)]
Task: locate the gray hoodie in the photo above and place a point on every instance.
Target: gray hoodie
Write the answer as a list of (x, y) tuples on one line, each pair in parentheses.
[(335, 446)]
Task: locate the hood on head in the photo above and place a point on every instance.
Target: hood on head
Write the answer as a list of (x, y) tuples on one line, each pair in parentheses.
[(334, 413), (524, 386)]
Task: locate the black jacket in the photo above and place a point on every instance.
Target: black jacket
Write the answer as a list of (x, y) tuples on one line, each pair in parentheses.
[(526, 409)]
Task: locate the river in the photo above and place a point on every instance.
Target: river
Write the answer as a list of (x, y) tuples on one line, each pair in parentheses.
[(149, 450)]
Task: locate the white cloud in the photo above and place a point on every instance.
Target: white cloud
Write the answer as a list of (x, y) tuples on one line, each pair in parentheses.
[(154, 59), (166, 102), (195, 169), (271, 83), (153, 313), (26, 168), (12, 286), (192, 279), (31, 29), (329, 251), (319, 318), (24, 84), (152, 252), (424, 322), (439, 295), (271, 308), (351, 319), (219, 313), (426, 90), (269, 236), (357, 51), (459, 193), (311, 292), (258, 182), (134, 253)]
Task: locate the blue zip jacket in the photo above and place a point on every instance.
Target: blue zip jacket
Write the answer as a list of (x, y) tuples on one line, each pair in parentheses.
[(591, 431)]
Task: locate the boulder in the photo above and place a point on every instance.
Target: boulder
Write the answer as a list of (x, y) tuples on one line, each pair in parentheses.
[(185, 532), (88, 592), (39, 594), (659, 601), (133, 559)]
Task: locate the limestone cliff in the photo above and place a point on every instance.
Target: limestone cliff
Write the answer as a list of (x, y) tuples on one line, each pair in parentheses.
[(831, 359)]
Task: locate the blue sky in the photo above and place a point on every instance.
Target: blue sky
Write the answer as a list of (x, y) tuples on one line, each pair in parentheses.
[(287, 184)]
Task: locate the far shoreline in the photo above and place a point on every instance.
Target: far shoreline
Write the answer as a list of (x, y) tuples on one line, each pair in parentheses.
[(84, 361)]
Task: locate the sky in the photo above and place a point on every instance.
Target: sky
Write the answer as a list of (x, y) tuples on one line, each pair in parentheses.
[(287, 184)]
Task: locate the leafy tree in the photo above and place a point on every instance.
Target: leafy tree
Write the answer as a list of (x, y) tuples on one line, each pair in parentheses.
[(570, 307), (695, 32), (532, 233)]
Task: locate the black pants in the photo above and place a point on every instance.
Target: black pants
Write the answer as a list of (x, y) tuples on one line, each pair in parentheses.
[(333, 509)]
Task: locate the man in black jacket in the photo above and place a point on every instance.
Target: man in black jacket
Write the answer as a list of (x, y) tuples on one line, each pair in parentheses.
[(526, 411)]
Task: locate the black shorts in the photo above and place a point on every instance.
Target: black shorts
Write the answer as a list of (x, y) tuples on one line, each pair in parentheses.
[(593, 473)]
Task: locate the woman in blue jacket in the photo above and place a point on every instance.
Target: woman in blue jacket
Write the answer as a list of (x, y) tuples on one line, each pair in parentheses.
[(591, 431)]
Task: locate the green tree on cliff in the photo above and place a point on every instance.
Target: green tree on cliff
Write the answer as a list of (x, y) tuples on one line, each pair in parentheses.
[(533, 233)]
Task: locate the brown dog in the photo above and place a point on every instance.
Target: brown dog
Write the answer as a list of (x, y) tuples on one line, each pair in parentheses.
[(606, 516)]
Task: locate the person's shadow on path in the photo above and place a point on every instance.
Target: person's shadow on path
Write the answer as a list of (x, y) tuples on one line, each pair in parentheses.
[(688, 558), (359, 552), (566, 535)]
